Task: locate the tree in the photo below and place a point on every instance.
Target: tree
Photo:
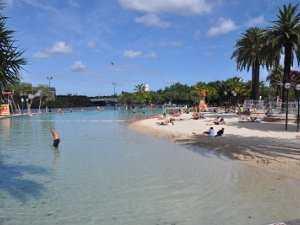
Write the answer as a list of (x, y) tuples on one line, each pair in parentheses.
[(275, 77), (285, 34), (126, 98), (11, 60), (235, 88), (45, 94), (140, 88), (250, 53)]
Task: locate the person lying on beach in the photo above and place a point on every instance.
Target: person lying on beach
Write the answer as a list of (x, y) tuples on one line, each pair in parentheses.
[(219, 122), (56, 139), (197, 115), (249, 119), (177, 114), (166, 122), (215, 122), (210, 133)]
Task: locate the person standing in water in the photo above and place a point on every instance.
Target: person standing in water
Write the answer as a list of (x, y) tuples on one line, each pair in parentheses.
[(56, 139)]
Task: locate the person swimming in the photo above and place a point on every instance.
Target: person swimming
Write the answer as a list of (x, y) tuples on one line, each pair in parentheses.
[(56, 139)]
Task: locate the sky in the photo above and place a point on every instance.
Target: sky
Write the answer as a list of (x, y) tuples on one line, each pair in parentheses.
[(87, 45)]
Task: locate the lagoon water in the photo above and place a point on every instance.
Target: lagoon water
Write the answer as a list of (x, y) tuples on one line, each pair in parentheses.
[(104, 173)]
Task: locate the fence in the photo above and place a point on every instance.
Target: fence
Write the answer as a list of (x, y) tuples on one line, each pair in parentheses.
[(277, 107)]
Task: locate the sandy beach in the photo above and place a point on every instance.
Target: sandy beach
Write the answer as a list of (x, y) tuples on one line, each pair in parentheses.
[(261, 144)]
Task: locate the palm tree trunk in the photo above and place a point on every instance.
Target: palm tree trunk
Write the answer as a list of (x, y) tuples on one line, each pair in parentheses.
[(40, 104), (287, 69), (255, 81)]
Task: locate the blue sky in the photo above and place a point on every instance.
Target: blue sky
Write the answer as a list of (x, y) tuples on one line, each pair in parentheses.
[(86, 45)]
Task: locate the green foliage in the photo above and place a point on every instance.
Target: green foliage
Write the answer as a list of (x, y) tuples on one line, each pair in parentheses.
[(11, 60), (250, 53), (285, 34)]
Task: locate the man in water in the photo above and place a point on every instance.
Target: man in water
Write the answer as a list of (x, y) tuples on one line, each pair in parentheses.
[(56, 139)]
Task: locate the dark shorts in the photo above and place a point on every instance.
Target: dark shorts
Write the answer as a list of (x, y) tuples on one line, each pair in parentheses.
[(56, 142)]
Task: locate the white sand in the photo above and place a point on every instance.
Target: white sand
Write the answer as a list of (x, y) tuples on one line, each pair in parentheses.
[(265, 145)]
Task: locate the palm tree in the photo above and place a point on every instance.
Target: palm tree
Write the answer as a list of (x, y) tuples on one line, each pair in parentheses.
[(11, 60), (140, 88), (45, 94), (275, 78), (285, 34), (249, 53)]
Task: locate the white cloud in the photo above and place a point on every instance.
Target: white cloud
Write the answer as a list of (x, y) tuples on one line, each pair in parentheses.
[(260, 20), (138, 54), (152, 20), (224, 26), (178, 7), (91, 44), (132, 54), (78, 66), (61, 48), (58, 48)]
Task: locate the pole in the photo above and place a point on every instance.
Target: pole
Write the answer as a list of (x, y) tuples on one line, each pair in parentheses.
[(114, 84), (298, 113), (287, 108), (49, 79), (22, 101)]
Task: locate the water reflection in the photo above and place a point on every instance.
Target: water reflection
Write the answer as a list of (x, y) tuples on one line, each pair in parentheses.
[(56, 155)]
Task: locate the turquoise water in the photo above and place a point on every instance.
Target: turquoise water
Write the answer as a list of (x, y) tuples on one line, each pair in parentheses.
[(105, 173)]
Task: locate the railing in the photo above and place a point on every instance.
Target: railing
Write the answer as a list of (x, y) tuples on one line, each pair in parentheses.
[(277, 107)]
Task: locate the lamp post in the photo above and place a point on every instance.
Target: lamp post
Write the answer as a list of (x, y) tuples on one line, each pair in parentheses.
[(28, 111), (287, 86), (114, 84), (22, 101), (234, 95), (49, 79), (298, 89)]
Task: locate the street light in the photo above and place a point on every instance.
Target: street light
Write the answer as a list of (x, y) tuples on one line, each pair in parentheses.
[(114, 84), (49, 79), (298, 89), (287, 86), (28, 109), (234, 94), (22, 100)]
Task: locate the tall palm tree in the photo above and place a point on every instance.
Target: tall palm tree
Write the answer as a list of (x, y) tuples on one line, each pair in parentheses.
[(140, 88), (249, 53), (285, 34), (11, 60)]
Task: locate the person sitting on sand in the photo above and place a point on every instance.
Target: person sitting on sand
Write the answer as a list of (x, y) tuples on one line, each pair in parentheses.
[(216, 121), (250, 119), (222, 122), (56, 139), (220, 132)]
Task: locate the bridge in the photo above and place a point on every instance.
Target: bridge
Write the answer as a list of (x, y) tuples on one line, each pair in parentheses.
[(104, 100)]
